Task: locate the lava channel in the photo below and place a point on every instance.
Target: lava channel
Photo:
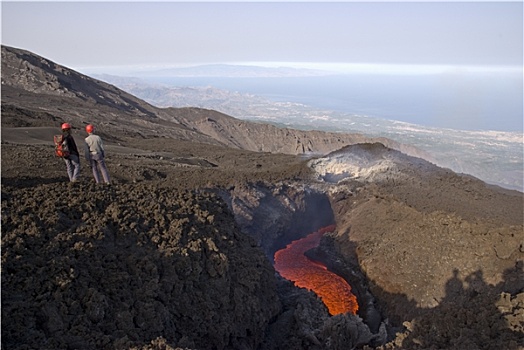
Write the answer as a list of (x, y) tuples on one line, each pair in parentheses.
[(293, 265)]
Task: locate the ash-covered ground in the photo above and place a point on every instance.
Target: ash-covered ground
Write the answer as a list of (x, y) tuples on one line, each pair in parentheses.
[(176, 252)]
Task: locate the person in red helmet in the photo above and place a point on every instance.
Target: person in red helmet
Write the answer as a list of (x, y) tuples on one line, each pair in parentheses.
[(73, 160), (95, 154)]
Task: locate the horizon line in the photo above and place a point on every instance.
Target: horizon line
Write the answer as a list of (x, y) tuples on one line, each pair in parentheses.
[(327, 67)]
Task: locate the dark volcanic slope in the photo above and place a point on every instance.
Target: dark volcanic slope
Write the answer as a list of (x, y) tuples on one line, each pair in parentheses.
[(47, 94)]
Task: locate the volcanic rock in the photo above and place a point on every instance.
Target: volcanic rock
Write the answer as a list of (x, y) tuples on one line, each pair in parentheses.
[(127, 264)]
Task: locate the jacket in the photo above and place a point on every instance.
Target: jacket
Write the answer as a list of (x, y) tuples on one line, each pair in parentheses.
[(71, 144), (93, 145)]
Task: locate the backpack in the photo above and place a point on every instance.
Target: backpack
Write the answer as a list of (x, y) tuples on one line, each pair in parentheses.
[(61, 147)]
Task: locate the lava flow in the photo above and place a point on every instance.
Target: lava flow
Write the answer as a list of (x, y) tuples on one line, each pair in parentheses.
[(293, 265)]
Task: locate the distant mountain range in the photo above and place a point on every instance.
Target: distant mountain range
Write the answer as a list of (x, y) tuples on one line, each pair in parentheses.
[(233, 71)]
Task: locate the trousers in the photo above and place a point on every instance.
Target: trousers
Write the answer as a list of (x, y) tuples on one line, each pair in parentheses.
[(73, 167), (98, 165)]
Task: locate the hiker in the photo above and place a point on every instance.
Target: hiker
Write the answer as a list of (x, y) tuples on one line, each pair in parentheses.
[(94, 153), (73, 159)]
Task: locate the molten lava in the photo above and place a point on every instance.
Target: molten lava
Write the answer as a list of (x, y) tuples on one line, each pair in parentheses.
[(293, 265)]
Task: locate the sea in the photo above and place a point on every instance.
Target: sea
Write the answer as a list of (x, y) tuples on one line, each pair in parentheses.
[(467, 101)]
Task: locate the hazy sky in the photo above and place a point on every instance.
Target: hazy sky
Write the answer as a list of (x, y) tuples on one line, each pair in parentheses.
[(90, 34)]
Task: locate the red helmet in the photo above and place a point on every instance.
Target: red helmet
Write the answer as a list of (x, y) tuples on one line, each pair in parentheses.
[(89, 128), (66, 126)]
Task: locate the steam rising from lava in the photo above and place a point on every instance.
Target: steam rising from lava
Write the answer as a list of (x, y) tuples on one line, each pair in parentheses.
[(293, 265)]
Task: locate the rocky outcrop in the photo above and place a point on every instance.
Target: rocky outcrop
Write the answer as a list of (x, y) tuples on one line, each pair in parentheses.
[(276, 214)]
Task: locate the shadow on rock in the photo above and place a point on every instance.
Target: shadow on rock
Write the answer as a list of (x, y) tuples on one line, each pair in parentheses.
[(472, 315)]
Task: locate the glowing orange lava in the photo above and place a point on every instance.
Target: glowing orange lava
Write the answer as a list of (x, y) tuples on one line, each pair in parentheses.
[(293, 265)]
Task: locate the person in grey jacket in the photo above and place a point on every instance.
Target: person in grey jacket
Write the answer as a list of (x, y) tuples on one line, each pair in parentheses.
[(95, 154)]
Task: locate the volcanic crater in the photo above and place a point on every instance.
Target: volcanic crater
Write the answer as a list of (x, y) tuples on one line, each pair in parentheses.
[(279, 215)]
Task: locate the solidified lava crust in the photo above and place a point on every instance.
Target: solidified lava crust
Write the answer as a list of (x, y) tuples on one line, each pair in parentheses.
[(293, 265)]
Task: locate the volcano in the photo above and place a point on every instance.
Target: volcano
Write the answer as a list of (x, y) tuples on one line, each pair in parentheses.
[(177, 252)]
